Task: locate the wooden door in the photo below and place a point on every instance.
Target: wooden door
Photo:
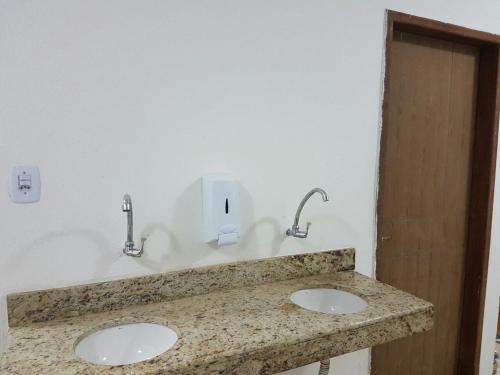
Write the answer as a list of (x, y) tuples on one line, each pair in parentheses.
[(424, 193)]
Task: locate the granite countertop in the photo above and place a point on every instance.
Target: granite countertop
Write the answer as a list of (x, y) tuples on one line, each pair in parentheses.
[(230, 319)]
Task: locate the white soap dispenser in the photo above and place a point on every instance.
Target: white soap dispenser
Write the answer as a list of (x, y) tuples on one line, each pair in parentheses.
[(221, 209)]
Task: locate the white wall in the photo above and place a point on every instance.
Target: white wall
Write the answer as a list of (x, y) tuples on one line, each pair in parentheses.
[(144, 97)]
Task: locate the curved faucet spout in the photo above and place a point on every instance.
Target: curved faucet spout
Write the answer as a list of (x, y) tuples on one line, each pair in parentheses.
[(304, 200), (127, 203), (295, 230)]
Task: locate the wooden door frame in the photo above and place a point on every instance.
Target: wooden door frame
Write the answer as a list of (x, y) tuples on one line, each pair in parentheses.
[(483, 168)]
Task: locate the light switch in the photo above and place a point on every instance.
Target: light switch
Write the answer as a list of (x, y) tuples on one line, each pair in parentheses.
[(24, 181), (25, 184)]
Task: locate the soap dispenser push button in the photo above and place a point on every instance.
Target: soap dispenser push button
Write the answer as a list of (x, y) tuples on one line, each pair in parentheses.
[(230, 228)]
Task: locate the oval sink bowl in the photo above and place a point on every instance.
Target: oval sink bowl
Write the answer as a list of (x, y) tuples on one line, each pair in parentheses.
[(126, 344), (329, 301)]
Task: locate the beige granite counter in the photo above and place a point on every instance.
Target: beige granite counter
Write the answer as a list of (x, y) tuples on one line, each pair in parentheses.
[(230, 319)]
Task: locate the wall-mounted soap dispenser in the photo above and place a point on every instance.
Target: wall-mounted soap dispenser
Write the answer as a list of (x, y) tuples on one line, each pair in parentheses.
[(221, 209)]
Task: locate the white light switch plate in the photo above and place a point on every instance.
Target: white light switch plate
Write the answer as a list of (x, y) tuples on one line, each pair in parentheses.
[(25, 185)]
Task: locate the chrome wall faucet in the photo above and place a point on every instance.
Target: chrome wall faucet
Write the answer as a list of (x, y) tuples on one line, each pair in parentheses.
[(295, 229), (129, 248)]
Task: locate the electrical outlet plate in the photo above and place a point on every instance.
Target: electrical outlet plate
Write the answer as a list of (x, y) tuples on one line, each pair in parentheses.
[(24, 184)]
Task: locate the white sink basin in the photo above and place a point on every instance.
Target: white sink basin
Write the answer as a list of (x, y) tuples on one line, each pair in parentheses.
[(125, 344), (329, 301)]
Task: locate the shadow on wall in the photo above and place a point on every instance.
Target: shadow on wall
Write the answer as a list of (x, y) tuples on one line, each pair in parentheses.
[(263, 237), (149, 232), (187, 222), (248, 239), (177, 246), (180, 245), (41, 249)]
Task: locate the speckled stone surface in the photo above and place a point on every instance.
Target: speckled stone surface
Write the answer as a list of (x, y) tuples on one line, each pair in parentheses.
[(252, 329), (39, 306)]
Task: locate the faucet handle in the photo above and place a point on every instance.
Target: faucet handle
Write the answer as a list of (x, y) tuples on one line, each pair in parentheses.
[(302, 233), (308, 224), (141, 250), (133, 252), (306, 232)]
